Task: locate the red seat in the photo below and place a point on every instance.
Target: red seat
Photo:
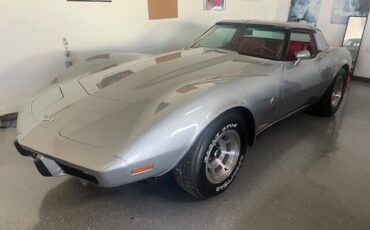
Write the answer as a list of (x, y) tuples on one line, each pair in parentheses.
[(294, 47)]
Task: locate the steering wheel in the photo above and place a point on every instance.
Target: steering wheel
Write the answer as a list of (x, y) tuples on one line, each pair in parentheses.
[(263, 49)]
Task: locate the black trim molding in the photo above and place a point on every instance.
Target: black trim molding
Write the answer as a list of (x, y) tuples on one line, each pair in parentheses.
[(8, 117)]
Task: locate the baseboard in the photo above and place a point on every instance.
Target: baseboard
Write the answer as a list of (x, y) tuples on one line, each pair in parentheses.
[(364, 79), (8, 117)]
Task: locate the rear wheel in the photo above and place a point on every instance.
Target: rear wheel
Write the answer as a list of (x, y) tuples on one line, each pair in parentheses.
[(333, 97), (214, 160)]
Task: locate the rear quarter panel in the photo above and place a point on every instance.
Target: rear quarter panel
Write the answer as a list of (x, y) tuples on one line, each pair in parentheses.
[(333, 60)]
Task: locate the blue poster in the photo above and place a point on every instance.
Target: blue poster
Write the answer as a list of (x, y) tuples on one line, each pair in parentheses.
[(304, 11), (342, 9)]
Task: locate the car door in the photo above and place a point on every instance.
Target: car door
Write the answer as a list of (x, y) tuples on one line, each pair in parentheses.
[(263, 86), (301, 82)]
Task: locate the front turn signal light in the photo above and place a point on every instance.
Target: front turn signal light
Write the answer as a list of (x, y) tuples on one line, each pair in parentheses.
[(142, 169)]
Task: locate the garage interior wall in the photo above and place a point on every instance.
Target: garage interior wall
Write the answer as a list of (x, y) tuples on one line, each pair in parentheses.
[(362, 66), (32, 31)]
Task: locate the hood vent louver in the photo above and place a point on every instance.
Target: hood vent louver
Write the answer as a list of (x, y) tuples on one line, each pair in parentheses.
[(113, 78)]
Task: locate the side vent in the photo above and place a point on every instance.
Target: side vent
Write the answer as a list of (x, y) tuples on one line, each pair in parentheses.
[(113, 78)]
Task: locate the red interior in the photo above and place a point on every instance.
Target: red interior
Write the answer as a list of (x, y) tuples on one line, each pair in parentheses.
[(258, 46), (296, 46), (247, 44)]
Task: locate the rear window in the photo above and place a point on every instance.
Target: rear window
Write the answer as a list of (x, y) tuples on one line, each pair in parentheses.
[(323, 45)]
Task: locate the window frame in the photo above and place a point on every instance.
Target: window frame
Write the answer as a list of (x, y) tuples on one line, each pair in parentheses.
[(313, 42)]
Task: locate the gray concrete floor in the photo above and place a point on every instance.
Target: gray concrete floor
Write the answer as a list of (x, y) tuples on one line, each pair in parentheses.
[(305, 173)]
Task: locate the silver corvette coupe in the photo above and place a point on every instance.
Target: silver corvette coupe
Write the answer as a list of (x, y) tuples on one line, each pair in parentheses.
[(114, 119)]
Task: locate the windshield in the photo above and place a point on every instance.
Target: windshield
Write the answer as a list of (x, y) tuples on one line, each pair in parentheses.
[(258, 41)]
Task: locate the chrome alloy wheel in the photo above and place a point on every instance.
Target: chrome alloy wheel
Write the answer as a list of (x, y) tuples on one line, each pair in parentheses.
[(337, 92), (222, 156)]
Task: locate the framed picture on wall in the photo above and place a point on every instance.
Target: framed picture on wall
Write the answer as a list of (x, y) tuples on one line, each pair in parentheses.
[(214, 5), (304, 11), (342, 9), (162, 9)]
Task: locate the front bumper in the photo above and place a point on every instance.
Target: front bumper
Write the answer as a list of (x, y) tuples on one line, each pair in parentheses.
[(50, 166), (46, 166)]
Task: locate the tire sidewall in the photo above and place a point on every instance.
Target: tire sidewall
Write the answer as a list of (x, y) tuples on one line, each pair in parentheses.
[(231, 122), (341, 73)]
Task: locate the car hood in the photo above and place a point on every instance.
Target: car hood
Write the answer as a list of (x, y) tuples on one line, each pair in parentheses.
[(112, 105), (150, 77)]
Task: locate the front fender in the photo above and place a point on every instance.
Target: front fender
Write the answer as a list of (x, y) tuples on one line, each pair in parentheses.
[(173, 134)]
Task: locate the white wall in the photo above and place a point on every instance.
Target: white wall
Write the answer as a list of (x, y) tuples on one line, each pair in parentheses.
[(363, 61), (31, 34)]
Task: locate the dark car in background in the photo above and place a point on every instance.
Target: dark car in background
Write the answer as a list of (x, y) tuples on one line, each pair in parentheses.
[(353, 45)]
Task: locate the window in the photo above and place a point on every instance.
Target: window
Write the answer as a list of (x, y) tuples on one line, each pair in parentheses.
[(217, 37), (262, 42), (300, 37), (300, 41), (263, 33), (322, 44), (258, 41)]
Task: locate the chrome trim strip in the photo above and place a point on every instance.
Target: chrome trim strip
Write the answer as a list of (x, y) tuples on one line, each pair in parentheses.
[(283, 118)]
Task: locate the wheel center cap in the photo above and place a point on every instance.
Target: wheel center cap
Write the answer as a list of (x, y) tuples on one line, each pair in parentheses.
[(217, 153)]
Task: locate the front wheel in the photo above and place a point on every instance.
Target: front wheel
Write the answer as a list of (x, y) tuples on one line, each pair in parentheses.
[(214, 160), (333, 97)]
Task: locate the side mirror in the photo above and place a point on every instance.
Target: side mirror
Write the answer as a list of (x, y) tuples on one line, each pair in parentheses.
[(302, 55)]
